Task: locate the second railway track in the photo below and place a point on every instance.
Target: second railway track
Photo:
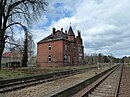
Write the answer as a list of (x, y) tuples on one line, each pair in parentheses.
[(19, 83), (106, 86)]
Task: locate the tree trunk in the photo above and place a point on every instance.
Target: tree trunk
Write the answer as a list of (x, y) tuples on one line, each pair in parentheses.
[(1, 51), (0, 48), (0, 60), (2, 45), (0, 32)]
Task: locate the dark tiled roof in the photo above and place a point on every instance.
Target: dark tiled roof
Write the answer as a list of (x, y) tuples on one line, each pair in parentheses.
[(70, 32), (57, 35)]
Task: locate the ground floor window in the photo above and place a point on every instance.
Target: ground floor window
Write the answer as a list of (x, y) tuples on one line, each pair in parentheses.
[(74, 59), (80, 58), (49, 58), (65, 58)]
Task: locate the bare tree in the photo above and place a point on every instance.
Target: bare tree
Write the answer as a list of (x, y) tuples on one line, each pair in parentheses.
[(17, 13)]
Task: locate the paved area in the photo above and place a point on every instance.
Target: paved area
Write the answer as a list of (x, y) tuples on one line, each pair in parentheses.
[(49, 88)]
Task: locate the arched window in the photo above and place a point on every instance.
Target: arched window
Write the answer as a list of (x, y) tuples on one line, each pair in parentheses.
[(66, 47), (49, 58), (49, 47), (65, 58), (79, 49)]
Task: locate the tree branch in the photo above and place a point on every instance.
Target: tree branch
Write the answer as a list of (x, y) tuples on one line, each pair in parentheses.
[(12, 43), (17, 23), (11, 6)]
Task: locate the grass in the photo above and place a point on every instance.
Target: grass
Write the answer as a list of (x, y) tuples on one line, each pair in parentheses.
[(7, 73)]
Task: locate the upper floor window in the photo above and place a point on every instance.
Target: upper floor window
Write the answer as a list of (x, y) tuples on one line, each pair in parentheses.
[(49, 47), (66, 47), (79, 49), (49, 58)]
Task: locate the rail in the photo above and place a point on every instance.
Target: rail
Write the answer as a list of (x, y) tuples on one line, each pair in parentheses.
[(118, 84), (100, 81), (18, 83), (74, 89)]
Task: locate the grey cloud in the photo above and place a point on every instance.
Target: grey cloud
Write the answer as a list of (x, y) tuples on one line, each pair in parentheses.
[(104, 24)]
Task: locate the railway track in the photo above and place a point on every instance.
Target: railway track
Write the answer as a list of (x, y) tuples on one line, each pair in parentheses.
[(106, 86), (32, 81), (15, 84)]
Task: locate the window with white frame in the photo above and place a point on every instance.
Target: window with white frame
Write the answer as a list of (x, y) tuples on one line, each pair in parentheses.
[(74, 48), (80, 58), (49, 58), (65, 58), (49, 47), (79, 49), (66, 47)]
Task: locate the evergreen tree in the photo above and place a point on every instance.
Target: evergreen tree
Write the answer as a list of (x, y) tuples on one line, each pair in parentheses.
[(25, 51)]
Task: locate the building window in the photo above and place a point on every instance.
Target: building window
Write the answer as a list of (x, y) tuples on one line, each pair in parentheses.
[(74, 48), (65, 58), (49, 58), (74, 51), (80, 58), (66, 47), (49, 47), (74, 59), (79, 49)]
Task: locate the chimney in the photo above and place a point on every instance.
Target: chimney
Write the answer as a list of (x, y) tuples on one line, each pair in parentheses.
[(79, 35), (66, 32), (61, 29), (53, 30)]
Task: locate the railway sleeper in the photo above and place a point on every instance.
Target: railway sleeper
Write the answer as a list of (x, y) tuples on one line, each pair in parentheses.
[(106, 91), (107, 87), (101, 94), (92, 95)]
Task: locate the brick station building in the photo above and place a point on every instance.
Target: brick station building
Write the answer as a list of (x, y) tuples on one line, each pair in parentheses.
[(60, 49)]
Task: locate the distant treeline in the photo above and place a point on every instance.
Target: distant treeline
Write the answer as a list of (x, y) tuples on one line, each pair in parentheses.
[(100, 58)]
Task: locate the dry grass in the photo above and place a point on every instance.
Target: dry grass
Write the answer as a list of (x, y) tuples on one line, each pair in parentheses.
[(7, 73)]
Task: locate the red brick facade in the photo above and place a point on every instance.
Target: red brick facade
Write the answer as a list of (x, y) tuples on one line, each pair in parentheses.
[(60, 49)]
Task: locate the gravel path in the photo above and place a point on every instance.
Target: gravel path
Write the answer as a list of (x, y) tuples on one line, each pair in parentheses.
[(48, 88), (124, 90)]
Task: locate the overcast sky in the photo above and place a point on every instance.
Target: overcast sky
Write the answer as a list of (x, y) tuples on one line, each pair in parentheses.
[(104, 24)]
